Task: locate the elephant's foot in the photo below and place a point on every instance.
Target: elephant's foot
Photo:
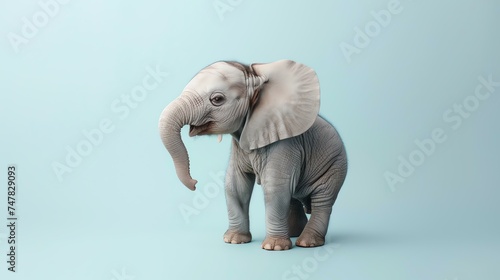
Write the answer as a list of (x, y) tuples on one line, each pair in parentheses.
[(235, 237), (276, 243), (310, 239)]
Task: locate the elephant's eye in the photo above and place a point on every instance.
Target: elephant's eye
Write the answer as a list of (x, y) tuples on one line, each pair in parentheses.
[(217, 99)]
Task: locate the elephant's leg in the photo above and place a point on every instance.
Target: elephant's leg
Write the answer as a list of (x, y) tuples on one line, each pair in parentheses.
[(322, 200), (277, 203), (279, 174), (297, 219), (315, 231), (238, 186)]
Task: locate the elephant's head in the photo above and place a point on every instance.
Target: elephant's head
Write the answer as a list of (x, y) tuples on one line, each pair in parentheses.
[(258, 104)]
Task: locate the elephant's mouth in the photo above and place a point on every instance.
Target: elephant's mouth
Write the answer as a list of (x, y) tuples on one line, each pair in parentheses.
[(200, 130)]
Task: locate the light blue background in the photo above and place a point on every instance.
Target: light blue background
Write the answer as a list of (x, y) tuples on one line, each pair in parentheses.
[(116, 215)]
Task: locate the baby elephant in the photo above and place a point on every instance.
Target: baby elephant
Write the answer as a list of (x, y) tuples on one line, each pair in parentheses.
[(278, 141)]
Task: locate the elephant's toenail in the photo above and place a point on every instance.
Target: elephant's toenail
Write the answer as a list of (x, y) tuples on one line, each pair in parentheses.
[(277, 248)]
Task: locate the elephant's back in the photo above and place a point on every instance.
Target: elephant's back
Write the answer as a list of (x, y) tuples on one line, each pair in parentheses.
[(323, 150), (324, 136)]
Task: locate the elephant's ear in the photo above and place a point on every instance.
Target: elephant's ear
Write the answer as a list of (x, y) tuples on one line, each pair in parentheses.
[(286, 106)]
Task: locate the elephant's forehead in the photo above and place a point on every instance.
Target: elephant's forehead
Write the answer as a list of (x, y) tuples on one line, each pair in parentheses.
[(206, 80), (221, 66), (224, 70), (219, 75)]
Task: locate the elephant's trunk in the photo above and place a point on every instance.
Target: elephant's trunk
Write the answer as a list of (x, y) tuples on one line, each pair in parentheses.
[(177, 114)]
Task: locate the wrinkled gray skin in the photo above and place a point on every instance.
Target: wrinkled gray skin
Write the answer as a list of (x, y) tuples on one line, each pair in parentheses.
[(278, 141)]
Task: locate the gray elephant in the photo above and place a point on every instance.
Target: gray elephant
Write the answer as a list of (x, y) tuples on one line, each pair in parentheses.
[(278, 141)]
